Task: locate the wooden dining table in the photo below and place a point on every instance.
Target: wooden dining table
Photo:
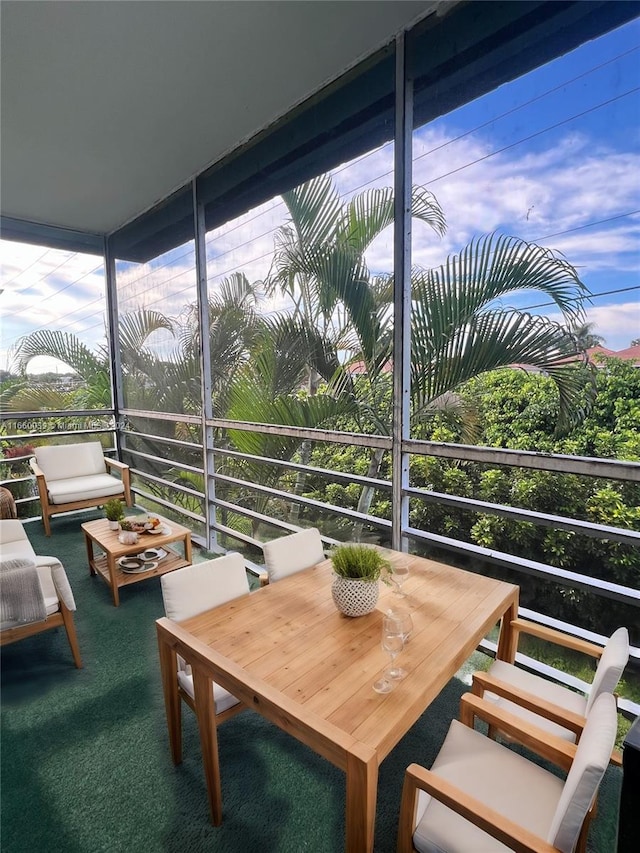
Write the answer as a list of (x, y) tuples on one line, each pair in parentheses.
[(286, 652)]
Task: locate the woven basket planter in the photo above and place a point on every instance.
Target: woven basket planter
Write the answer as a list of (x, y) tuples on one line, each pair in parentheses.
[(354, 596)]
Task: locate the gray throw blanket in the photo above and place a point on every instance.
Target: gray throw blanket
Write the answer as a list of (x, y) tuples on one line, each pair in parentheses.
[(21, 599)]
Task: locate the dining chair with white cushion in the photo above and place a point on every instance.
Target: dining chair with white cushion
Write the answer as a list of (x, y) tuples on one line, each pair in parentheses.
[(193, 590), (293, 553), (557, 709), (483, 796)]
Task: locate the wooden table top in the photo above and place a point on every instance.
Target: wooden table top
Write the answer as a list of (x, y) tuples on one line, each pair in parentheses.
[(289, 645), (107, 539)]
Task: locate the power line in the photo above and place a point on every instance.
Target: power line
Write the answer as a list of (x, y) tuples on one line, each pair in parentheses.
[(363, 157), (591, 296), (588, 225), (499, 150), (57, 292), (534, 135), (262, 257), (450, 142), (529, 102), (418, 157), (26, 269)]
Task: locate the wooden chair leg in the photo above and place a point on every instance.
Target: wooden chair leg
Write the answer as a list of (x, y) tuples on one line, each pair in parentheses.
[(70, 628), (173, 705)]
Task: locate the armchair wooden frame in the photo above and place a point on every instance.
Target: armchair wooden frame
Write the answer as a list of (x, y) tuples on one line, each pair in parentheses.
[(63, 618), (485, 682), (417, 778), (50, 509)]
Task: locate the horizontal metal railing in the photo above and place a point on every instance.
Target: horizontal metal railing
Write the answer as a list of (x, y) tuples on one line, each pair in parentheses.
[(618, 470), (558, 463), (29, 420), (559, 522), (574, 580)]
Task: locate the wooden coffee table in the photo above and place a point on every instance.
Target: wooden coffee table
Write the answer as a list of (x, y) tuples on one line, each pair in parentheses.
[(99, 533)]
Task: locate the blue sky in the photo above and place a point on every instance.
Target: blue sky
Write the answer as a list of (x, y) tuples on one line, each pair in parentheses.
[(555, 188)]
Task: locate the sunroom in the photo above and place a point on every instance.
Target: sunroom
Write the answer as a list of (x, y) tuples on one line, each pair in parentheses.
[(226, 257)]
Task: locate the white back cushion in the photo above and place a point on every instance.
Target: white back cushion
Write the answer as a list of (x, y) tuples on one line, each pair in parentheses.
[(590, 762), (63, 461), (194, 589), (12, 534), (613, 660), (293, 553)]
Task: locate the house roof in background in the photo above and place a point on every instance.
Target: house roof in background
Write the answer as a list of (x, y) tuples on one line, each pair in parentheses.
[(628, 354)]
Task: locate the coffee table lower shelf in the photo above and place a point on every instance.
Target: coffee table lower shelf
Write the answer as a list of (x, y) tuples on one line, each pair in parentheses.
[(167, 564)]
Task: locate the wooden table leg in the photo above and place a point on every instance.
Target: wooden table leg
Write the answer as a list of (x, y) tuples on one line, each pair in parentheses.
[(88, 541), (111, 565), (206, 715), (362, 789), (168, 672), (508, 639), (187, 548)]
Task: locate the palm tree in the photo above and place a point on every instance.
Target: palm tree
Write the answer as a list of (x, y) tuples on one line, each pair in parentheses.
[(319, 263), (233, 328), (585, 336), (92, 367), (459, 329), (268, 389), (319, 256)]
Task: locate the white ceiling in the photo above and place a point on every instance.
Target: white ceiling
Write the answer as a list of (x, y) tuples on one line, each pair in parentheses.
[(107, 107)]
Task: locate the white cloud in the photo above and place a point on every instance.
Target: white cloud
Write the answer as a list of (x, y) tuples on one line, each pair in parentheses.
[(617, 323), (530, 194)]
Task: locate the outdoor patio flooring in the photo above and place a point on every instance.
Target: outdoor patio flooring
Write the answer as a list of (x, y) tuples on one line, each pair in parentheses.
[(85, 758)]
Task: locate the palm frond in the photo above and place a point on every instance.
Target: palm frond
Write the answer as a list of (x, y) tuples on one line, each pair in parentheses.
[(32, 399), (136, 326), (63, 346), (370, 212), (491, 340), (315, 209), (489, 268)]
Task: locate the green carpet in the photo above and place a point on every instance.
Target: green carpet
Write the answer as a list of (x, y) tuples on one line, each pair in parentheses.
[(85, 758)]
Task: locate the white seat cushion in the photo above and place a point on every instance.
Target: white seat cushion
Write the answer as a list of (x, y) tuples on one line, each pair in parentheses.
[(64, 461), (493, 774), (194, 589), (293, 553), (221, 697), (530, 683), (48, 589), (83, 488)]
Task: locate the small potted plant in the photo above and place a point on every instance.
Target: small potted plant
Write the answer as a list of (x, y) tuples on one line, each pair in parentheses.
[(128, 536), (115, 513), (357, 570)]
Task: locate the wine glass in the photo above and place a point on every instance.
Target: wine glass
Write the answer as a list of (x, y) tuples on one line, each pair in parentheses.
[(392, 643), (399, 574), (404, 621)]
